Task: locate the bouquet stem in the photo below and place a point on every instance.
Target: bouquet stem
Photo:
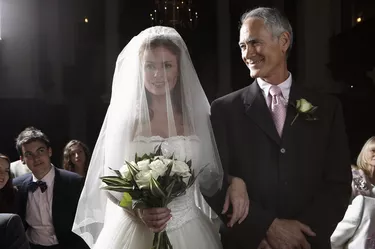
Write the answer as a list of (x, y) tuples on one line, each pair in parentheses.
[(161, 241)]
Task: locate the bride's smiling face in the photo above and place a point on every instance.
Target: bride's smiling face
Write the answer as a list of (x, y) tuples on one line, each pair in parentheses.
[(160, 69)]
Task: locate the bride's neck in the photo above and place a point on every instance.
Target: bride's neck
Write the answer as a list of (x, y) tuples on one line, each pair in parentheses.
[(159, 104)]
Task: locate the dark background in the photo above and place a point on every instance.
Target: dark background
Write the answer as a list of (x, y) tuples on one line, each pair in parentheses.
[(55, 69)]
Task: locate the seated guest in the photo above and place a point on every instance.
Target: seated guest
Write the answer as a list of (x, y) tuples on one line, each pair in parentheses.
[(48, 196), (12, 232), (364, 173), (17, 168), (76, 157), (357, 229), (7, 191)]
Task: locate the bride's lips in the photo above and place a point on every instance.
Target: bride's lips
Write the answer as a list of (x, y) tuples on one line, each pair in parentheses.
[(158, 84)]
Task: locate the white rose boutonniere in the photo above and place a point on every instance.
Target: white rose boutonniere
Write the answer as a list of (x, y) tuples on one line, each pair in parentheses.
[(305, 108)]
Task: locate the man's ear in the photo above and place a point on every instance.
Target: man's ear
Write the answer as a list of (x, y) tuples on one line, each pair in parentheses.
[(21, 159), (50, 151), (284, 41)]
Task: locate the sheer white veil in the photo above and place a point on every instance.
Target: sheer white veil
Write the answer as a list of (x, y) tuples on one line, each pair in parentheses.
[(131, 113)]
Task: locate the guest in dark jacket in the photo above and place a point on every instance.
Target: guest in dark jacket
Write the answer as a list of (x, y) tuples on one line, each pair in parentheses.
[(48, 196)]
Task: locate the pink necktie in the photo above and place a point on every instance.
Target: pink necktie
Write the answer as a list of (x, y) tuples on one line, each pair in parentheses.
[(278, 109)]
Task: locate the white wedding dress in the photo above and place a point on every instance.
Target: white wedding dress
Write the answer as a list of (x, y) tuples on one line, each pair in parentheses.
[(190, 226)]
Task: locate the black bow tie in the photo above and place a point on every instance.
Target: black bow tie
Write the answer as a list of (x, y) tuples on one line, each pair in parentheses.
[(33, 186)]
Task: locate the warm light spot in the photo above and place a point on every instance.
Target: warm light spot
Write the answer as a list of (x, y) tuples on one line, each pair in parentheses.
[(359, 19), (86, 20)]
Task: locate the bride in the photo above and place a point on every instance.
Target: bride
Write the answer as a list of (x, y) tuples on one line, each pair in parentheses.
[(156, 100)]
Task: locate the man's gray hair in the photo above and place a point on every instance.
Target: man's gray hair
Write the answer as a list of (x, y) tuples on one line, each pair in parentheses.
[(275, 22)]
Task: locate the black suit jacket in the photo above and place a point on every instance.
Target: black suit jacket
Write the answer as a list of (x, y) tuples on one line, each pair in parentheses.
[(66, 192), (12, 233), (305, 175)]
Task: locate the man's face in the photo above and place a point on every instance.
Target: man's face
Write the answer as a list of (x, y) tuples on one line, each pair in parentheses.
[(262, 53), (36, 156)]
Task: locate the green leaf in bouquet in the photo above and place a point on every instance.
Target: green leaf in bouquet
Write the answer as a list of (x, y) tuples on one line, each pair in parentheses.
[(156, 189), (169, 188), (145, 157), (166, 179), (118, 188), (133, 171), (114, 180), (126, 200), (136, 159), (139, 204), (118, 173), (171, 157), (158, 150)]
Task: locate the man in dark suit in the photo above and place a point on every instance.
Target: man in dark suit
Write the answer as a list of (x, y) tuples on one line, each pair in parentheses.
[(295, 161), (12, 232), (48, 196)]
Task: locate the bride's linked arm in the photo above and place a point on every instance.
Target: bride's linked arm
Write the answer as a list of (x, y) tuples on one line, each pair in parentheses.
[(156, 218), (238, 197)]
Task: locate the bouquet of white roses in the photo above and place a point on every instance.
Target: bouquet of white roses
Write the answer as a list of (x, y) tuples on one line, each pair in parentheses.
[(151, 180)]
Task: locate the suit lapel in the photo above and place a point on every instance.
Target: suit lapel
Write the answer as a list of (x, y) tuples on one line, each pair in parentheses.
[(55, 200), (295, 94), (23, 195), (256, 108)]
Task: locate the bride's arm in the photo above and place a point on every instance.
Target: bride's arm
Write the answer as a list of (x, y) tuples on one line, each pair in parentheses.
[(154, 218)]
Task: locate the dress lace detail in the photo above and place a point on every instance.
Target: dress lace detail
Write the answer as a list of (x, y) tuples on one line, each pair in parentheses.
[(183, 210)]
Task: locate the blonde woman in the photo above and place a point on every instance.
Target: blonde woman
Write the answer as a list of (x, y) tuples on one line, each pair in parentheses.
[(364, 173)]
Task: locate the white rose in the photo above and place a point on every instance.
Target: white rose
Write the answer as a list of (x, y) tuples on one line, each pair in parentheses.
[(143, 165), (181, 169), (158, 168), (303, 105), (143, 178)]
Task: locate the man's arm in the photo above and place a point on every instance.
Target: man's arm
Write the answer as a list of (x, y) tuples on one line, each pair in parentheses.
[(15, 237), (332, 199), (253, 229)]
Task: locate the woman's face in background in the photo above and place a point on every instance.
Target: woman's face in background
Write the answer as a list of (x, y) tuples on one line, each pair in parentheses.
[(371, 155), (77, 155), (4, 172), (160, 70)]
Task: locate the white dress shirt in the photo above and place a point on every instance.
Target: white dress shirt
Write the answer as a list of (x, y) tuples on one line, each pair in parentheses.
[(284, 86), (39, 213)]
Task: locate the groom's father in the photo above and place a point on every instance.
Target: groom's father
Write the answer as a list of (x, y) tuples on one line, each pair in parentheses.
[(286, 142)]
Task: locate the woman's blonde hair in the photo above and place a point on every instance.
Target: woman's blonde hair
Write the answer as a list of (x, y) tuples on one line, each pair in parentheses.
[(363, 157)]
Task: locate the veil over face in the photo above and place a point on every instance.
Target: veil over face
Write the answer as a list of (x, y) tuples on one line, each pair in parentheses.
[(155, 93)]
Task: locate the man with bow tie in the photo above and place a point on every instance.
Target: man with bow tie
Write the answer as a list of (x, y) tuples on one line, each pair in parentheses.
[(48, 196)]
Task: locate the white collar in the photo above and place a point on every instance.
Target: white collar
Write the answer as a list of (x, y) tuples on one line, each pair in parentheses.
[(284, 86)]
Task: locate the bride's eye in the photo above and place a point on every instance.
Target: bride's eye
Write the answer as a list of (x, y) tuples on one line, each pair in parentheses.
[(168, 65), (149, 66)]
